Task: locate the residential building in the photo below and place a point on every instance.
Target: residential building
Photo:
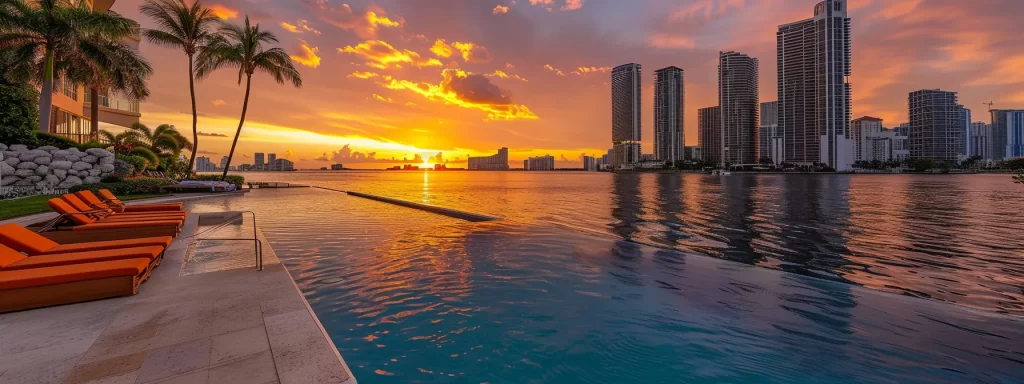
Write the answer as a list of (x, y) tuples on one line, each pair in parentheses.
[(965, 133), (861, 130), (692, 152), (337, 167), (980, 140), (737, 97), (669, 113), (281, 165), (936, 125), (72, 115), (526, 164), (814, 67), (223, 162), (626, 115), (770, 141), (259, 161), (203, 164), (496, 162), (541, 163), (903, 129), (1007, 134), (709, 134), (590, 163), (885, 146), (271, 157)]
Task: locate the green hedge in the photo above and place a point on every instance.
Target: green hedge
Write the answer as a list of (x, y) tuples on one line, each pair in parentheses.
[(19, 114), (238, 181), (142, 186)]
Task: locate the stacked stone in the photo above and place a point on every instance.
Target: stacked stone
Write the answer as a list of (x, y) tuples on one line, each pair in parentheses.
[(47, 168)]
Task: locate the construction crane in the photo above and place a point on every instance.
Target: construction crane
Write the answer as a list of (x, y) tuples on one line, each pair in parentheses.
[(989, 104)]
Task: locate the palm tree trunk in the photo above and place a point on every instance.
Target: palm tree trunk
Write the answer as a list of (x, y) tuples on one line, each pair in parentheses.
[(245, 105), (94, 114), (195, 116), (46, 94)]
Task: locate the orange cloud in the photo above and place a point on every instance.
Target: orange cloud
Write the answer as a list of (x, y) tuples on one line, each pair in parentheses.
[(471, 53), (365, 23), (500, 9), (223, 12), (553, 69), (467, 90), (220, 103), (572, 5), (441, 49), (308, 56), (585, 70), (504, 75), (301, 26), (541, 2), (379, 54), (1006, 71), (382, 98), (363, 75), (664, 40)]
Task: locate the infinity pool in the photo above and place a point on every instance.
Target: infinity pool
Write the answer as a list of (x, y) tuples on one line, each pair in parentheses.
[(414, 297)]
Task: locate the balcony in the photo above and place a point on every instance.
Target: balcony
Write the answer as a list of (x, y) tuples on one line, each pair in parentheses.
[(114, 110)]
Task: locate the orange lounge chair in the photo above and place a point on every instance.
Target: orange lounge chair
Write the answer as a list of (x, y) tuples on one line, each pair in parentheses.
[(30, 243), (101, 214), (43, 287), (87, 223), (91, 198), (112, 199), (11, 260)]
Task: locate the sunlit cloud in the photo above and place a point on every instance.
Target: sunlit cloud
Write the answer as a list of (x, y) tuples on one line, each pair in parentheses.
[(363, 75), (441, 49), (664, 40), (572, 5), (553, 69), (301, 26), (307, 56), (541, 2), (219, 103), (223, 12), (500, 9), (364, 23), (379, 54), (471, 53), (586, 70), (382, 98), (1005, 71), (467, 90), (504, 75)]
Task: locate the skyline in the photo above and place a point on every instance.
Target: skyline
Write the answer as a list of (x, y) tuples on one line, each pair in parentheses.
[(409, 105)]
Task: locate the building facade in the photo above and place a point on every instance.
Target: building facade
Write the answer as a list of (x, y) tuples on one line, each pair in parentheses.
[(626, 111), (203, 164), (259, 160), (979, 140), (861, 130), (936, 126), (709, 134), (496, 162), (692, 152), (885, 146), (770, 142), (814, 67), (590, 163), (669, 113), (541, 163), (281, 165), (1007, 134), (737, 97)]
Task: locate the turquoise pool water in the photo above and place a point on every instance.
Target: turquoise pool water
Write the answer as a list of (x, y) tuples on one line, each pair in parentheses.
[(413, 297)]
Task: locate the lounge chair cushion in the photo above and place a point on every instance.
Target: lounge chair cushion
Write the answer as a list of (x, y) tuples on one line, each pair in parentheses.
[(161, 241), (62, 207), (71, 273), (9, 256), (53, 260), (127, 224), (138, 208), (24, 240)]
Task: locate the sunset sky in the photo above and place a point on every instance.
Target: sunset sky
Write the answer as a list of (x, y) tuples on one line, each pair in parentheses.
[(404, 78)]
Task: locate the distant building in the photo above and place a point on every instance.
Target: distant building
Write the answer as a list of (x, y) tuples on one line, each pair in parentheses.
[(541, 163), (814, 67), (903, 129), (281, 165), (709, 134), (223, 162), (203, 164), (980, 140), (669, 113), (626, 114), (589, 163), (1007, 134), (259, 161), (648, 157), (496, 162), (692, 153), (271, 157), (337, 167), (771, 141), (937, 130), (526, 164), (440, 167), (861, 130), (737, 97), (885, 146)]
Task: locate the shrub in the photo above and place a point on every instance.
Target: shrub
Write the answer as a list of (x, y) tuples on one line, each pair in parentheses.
[(233, 179), (140, 186), (19, 114), (138, 163), (91, 144), (46, 138), (111, 179)]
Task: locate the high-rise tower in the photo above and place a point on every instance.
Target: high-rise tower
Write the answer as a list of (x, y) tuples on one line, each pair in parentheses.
[(626, 115), (737, 95), (669, 104)]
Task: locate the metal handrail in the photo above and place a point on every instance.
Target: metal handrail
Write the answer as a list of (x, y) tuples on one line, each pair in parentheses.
[(257, 243)]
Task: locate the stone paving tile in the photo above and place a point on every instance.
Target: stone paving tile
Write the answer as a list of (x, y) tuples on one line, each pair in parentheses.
[(301, 352), (238, 344), (196, 377), (104, 368), (258, 368), (124, 378), (126, 336), (175, 360), (236, 319)]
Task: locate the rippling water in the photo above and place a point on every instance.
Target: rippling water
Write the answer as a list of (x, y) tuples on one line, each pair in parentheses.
[(565, 289)]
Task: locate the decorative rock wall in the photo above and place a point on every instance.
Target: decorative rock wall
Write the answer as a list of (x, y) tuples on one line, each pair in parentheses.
[(47, 168)]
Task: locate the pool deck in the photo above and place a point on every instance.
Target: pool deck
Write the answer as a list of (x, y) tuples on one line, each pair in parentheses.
[(219, 325)]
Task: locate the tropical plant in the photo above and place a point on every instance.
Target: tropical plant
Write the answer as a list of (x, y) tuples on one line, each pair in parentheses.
[(49, 39), (164, 140), (18, 114), (121, 143), (242, 47), (183, 26)]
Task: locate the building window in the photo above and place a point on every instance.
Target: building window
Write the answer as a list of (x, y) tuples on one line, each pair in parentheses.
[(72, 126)]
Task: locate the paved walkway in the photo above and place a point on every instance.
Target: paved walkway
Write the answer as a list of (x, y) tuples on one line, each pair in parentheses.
[(221, 326)]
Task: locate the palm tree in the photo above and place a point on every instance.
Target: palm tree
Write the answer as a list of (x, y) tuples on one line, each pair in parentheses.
[(165, 140), (130, 143), (182, 26), (237, 46), (53, 38)]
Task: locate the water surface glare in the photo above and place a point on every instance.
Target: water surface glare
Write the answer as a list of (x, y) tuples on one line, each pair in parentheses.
[(409, 296)]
